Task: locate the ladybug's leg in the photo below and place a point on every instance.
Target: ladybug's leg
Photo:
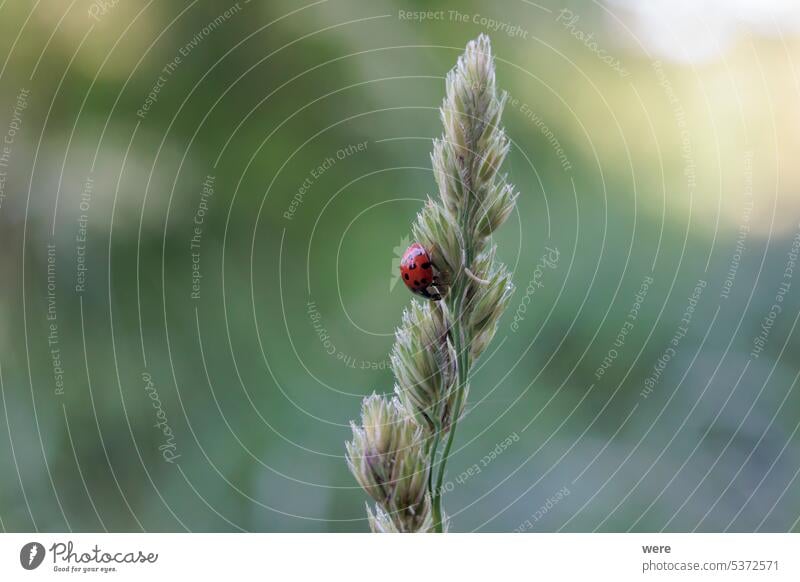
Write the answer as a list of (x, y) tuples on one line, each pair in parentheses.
[(438, 283), (428, 295)]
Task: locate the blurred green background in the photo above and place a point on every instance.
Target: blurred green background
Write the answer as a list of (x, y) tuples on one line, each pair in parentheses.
[(202, 206)]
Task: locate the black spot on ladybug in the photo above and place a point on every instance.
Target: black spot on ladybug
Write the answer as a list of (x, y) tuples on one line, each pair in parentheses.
[(412, 266), (406, 276), (424, 281), (426, 265), (416, 283)]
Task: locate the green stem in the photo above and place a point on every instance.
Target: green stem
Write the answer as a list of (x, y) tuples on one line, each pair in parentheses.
[(462, 384), (461, 346), (435, 491), (461, 342)]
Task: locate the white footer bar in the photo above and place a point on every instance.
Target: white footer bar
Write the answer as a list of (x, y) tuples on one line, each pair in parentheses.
[(385, 558)]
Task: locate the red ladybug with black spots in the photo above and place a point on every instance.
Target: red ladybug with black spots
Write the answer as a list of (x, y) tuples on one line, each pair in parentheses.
[(418, 272)]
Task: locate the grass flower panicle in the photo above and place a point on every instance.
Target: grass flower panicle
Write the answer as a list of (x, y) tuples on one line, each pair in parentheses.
[(387, 458), (395, 454), (424, 363)]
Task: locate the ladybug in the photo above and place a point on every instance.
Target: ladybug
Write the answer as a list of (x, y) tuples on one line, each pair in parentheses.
[(418, 272)]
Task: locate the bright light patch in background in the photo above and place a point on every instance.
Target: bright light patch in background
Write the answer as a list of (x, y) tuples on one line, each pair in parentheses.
[(702, 32)]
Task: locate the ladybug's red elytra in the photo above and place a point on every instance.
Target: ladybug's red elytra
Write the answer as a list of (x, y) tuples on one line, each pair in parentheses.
[(418, 272)]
